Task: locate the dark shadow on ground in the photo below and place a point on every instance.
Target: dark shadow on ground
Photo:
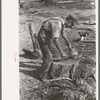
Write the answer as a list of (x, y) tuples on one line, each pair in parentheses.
[(28, 54), (23, 64), (33, 73), (36, 74)]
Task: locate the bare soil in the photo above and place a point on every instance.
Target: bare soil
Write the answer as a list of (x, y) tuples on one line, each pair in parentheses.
[(31, 88)]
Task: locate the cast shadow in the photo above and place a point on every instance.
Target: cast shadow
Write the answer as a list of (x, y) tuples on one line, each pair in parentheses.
[(33, 73), (28, 54)]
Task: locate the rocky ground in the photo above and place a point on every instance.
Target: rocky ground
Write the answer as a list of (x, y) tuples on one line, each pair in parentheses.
[(31, 88)]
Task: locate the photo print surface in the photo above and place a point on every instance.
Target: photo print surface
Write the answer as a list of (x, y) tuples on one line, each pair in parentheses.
[(57, 50)]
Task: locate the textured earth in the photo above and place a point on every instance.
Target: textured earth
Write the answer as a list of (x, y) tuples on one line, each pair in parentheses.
[(31, 88)]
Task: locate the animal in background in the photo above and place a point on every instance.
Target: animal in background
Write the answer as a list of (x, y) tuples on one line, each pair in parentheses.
[(83, 35)]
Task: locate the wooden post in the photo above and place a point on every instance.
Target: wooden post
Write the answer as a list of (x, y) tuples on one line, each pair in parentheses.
[(30, 31), (36, 50)]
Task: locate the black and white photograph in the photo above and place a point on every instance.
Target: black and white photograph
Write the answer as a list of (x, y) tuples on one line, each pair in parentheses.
[(57, 50)]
